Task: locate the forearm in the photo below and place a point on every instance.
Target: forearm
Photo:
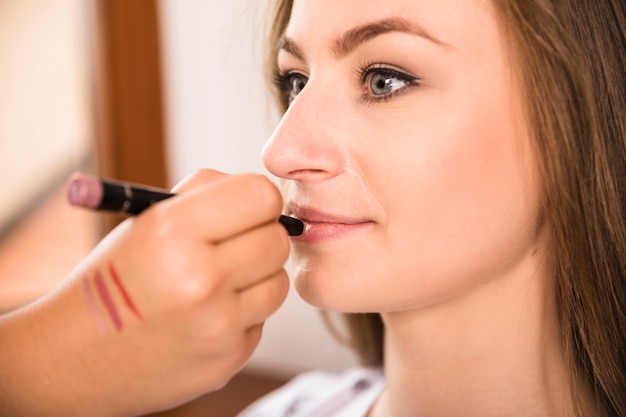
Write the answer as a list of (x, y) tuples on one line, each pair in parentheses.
[(42, 358)]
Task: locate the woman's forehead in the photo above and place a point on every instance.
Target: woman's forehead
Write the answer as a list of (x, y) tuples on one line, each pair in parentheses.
[(450, 22), (318, 26)]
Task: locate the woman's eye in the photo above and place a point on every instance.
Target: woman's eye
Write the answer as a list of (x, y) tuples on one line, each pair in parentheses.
[(384, 82), (297, 84), (381, 84), (290, 84)]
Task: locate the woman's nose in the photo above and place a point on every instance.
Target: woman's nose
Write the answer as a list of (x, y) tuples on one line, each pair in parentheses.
[(306, 144)]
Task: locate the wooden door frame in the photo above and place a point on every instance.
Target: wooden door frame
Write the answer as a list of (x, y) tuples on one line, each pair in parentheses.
[(128, 91)]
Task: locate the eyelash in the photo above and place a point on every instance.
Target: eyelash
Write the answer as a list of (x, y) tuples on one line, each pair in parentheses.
[(283, 81)]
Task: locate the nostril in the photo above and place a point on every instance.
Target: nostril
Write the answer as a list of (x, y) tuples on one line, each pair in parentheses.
[(310, 175), (303, 172)]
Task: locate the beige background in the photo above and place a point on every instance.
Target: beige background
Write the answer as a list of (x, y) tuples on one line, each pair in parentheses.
[(45, 113)]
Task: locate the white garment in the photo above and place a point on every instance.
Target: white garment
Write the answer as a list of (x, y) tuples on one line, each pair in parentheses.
[(347, 393)]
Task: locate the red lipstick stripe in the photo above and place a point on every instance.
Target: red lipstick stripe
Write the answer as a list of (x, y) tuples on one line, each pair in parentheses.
[(120, 286), (107, 301)]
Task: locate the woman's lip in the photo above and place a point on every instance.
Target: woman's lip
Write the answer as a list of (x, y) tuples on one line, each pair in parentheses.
[(311, 216), (320, 226)]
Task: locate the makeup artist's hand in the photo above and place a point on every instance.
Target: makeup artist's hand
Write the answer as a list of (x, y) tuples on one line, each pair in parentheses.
[(169, 306)]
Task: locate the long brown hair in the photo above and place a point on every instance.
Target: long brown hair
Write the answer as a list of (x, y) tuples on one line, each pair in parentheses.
[(570, 57)]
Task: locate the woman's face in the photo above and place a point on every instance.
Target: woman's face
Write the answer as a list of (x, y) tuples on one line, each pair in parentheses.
[(404, 150)]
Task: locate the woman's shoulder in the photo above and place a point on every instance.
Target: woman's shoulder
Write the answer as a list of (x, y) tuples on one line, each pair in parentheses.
[(349, 392)]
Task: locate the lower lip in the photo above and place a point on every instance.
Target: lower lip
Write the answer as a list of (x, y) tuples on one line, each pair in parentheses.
[(322, 232)]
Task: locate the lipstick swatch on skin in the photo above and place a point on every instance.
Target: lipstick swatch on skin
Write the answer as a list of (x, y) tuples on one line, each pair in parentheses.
[(107, 300), (93, 306), (120, 287)]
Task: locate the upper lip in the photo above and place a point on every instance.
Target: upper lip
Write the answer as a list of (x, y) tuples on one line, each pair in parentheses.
[(311, 215)]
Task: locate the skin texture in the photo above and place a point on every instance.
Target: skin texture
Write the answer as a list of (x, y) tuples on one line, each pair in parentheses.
[(199, 269), (423, 206)]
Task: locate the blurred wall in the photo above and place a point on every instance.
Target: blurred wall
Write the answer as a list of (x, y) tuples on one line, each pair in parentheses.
[(218, 116), (45, 101)]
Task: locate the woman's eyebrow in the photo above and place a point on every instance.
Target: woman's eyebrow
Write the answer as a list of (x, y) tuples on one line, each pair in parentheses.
[(349, 41), (361, 34), (290, 46)]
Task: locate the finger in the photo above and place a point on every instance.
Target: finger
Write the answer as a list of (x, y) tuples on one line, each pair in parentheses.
[(254, 333), (260, 301), (251, 257), (198, 178), (233, 360), (229, 206), (252, 339)]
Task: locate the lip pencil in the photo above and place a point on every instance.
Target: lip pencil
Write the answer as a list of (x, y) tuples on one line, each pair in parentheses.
[(132, 199)]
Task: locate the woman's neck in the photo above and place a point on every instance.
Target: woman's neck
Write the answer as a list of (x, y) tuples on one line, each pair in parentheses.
[(493, 351)]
